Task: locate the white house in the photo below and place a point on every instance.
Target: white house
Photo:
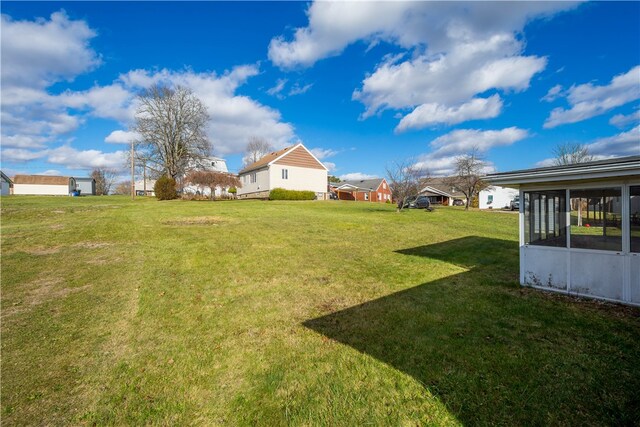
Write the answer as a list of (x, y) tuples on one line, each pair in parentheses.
[(145, 187), (292, 168), (7, 184), (580, 228), (496, 197), (43, 185), (212, 164)]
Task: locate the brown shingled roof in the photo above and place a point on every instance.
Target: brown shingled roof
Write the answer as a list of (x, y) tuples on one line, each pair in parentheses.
[(41, 179), (266, 159)]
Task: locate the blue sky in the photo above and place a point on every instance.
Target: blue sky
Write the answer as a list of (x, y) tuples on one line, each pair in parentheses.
[(362, 83)]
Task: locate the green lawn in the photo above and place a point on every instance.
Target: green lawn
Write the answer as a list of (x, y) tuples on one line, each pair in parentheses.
[(294, 313)]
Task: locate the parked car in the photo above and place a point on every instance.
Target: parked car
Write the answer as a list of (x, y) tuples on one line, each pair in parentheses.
[(408, 201), (419, 202), (515, 203), (333, 196), (458, 202)]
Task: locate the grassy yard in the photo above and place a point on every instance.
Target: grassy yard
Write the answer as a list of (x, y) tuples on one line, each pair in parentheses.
[(294, 313)]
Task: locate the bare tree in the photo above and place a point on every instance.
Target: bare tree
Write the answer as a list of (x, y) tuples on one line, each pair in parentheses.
[(171, 124), (467, 177), (123, 188), (212, 179), (570, 153), (404, 180), (256, 149), (104, 180)]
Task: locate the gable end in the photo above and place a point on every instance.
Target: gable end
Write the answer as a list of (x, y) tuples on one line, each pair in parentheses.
[(300, 157)]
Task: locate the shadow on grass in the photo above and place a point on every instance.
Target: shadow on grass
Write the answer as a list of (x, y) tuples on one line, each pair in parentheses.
[(499, 354)]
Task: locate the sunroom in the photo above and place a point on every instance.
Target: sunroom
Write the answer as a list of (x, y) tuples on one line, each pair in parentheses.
[(580, 228)]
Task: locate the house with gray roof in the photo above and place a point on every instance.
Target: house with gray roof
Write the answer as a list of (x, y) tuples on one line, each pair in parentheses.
[(440, 192), (364, 190)]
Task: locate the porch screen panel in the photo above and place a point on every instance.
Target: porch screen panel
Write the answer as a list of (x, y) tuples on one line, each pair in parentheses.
[(634, 217), (596, 219), (545, 218)]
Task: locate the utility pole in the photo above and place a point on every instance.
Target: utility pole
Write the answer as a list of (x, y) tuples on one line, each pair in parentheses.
[(133, 174), (144, 177)]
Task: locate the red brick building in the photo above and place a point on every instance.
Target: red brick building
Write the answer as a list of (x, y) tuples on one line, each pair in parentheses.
[(363, 190)]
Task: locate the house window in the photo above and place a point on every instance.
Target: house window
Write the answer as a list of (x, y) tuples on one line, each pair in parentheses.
[(384, 185), (253, 178), (545, 218), (379, 196), (366, 196), (490, 199), (596, 219), (634, 217), (285, 173)]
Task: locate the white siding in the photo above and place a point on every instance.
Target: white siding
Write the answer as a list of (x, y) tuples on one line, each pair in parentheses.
[(261, 184), (502, 196), (40, 189), (299, 178)]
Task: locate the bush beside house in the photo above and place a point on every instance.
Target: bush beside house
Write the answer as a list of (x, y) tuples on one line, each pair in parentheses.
[(282, 194)]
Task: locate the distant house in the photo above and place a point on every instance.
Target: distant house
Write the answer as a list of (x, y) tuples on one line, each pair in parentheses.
[(292, 168), (145, 187), (365, 190), (212, 164), (43, 185), (87, 186), (7, 184), (496, 197), (440, 193)]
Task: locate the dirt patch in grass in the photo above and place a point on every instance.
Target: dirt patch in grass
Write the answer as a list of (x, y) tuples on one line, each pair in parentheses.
[(41, 291), (91, 245), (196, 220), (41, 250)]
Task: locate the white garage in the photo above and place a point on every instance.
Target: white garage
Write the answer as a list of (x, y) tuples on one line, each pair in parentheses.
[(43, 185)]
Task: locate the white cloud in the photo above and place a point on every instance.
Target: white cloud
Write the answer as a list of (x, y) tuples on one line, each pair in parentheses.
[(447, 148), (121, 137), (21, 155), (553, 94), (444, 166), (35, 55), (299, 90), (459, 50), (622, 144), (277, 89), (330, 165), (545, 163), (588, 100), (620, 120), (430, 114), (470, 68), (50, 172), (24, 141), (85, 159), (44, 51), (464, 140), (323, 153), (438, 25), (355, 176)]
